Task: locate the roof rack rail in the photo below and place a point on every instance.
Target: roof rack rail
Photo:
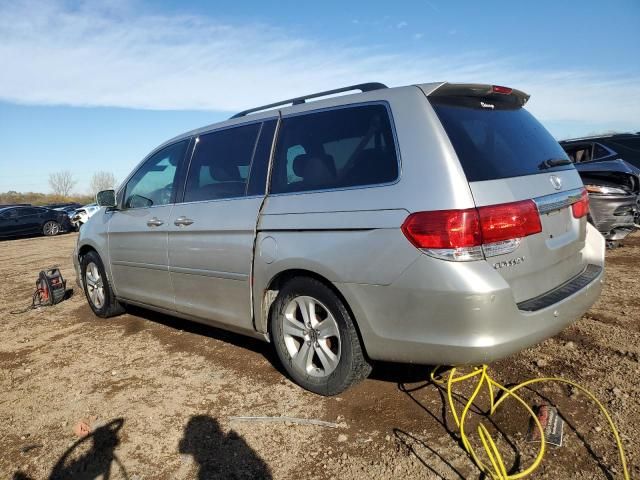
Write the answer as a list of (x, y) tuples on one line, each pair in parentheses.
[(363, 87)]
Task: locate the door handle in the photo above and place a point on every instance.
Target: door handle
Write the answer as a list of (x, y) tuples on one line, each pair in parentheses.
[(154, 222), (182, 221)]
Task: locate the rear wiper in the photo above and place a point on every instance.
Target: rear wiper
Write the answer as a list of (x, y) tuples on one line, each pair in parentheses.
[(554, 162)]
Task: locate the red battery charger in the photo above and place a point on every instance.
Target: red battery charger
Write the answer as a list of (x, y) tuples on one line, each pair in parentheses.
[(51, 287)]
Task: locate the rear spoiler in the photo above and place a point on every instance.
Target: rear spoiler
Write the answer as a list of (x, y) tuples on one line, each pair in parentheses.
[(476, 90)]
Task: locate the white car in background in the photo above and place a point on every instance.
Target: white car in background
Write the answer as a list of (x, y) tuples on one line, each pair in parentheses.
[(81, 215)]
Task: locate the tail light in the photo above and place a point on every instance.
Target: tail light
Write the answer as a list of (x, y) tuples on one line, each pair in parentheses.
[(473, 233), (502, 90), (455, 234), (581, 207), (509, 220)]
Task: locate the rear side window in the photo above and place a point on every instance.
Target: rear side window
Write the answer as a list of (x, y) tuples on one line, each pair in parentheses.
[(579, 153), (25, 212), (344, 147), (496, 141), (600, 152), (10, 213), (221, 163)]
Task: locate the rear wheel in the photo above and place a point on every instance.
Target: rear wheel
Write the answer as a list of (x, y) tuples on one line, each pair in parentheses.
[(51, 228), (316, 339), (97, 288)]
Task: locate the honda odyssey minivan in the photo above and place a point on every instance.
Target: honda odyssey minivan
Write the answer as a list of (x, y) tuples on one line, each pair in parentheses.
[(435, 224)]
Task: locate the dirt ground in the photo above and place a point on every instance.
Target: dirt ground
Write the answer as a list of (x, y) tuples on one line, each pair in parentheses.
[(159, 392)]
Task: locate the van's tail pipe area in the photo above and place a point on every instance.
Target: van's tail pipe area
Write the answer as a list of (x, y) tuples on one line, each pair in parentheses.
[(492, 463)]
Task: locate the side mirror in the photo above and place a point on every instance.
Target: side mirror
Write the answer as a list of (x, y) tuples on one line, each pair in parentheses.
[(106, 198)]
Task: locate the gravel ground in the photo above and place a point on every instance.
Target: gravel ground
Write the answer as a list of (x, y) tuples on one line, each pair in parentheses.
[(158, 393)]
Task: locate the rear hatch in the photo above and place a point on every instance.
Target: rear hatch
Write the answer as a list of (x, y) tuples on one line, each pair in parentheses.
[(531, 200)]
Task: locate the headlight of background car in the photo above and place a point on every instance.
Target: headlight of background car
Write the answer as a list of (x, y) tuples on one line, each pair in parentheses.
[(605, 190)]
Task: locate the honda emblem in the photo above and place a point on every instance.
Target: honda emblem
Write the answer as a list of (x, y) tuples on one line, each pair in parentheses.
[(556, 182)]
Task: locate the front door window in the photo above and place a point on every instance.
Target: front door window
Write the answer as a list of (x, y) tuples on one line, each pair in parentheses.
[(154, 183)]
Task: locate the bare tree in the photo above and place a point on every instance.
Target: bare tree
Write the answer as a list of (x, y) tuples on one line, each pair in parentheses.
[(102, 181), (61, 182)]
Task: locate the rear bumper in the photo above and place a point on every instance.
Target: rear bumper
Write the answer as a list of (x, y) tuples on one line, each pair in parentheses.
[(441, 312), (613, 215)]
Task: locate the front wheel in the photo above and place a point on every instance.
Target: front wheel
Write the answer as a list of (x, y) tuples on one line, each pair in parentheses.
[(97, 288), (315, 338), (51, 228)]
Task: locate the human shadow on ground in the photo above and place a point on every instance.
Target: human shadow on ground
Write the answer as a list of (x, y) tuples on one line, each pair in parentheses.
[(219, 455), (98, 461)]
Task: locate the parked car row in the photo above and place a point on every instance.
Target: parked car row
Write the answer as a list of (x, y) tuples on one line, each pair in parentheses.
[(28, 220), (23, 219), (610, 170)]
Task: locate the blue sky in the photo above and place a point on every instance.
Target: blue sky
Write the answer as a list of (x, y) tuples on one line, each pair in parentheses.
[(87, 86)]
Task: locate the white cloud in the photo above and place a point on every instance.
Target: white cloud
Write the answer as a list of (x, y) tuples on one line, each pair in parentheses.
[(418, 36), (93, 56), (402, 25)]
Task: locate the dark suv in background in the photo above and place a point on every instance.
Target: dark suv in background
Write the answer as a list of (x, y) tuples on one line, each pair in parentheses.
[(610, 169)]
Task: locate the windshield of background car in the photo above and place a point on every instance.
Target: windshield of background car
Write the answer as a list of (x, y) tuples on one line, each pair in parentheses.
[(496, 141)]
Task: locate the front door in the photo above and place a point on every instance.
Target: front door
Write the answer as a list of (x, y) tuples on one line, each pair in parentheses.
[(138, 235), (32, 219), (211, 232)]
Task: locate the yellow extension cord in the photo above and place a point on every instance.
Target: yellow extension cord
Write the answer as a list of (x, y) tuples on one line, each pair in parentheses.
[(497, 470)]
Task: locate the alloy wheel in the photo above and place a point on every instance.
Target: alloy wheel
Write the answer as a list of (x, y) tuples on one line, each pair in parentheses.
[(95, 285), (51, 228), (311, 336)]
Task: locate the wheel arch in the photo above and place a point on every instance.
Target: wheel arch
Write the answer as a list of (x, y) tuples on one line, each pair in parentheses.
[(276, 283), (89, 246), (84, 249)]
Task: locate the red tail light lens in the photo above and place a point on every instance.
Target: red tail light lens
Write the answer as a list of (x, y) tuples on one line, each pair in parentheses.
[(443, 229), (509, 220), (581, 207), (502, 90), (465, 234)]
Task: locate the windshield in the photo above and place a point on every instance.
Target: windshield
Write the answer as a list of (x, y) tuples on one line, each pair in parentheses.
[(495, 141)]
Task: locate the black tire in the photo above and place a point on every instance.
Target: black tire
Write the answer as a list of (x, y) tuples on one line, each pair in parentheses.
[(109, 306), (352, 366), (51, 228)]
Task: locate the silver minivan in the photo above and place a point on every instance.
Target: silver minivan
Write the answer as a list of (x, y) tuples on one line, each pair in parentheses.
[(435, 224)]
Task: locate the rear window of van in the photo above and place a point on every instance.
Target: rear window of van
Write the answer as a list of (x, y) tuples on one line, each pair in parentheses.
[(495, 141)]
